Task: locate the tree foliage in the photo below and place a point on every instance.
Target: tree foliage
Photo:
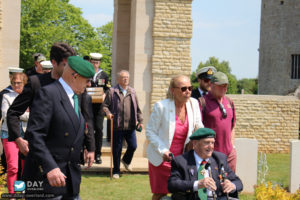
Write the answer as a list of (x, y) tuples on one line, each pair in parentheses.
[(249, 85), (220, 66), (45, 22)]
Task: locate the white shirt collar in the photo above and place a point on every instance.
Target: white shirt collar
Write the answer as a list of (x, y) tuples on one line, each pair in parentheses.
[(201, 92), (198, 160), (67, 89), (124, 91)]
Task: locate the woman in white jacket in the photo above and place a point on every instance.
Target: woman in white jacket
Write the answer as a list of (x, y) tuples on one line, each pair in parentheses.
[(11, 149), (171, 123)]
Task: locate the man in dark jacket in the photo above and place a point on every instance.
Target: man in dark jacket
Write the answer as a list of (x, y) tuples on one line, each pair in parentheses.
[(203, 173), (37, 69), (56, 134), (121, 106)]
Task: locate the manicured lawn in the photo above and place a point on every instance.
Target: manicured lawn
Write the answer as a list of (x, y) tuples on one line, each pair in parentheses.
[(137, 186), (279, 169)]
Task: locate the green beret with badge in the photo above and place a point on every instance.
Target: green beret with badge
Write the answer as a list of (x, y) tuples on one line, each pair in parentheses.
[(203, 133), (81, 66)]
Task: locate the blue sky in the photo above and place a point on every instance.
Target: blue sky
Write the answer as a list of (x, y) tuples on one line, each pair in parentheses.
[(228, 30)]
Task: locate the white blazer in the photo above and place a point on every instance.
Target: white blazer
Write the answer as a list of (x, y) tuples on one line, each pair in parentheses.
[(7, 100), (161, 127)]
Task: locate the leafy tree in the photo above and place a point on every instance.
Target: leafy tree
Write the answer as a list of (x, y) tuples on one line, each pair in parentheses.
[(104, 35), (220, 66), (45, 22), (248, 84)]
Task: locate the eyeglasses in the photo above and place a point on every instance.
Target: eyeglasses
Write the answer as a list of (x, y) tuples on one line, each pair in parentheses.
[(183, 89), (223, 110), (206, 80), (17, 83)]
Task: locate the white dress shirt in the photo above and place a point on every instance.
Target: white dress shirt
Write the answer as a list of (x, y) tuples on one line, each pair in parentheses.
[(68, 90)]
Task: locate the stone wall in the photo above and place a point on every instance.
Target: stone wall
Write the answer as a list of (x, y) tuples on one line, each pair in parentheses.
[(0, 14), (172, 33), (10, 16), (272, 120)]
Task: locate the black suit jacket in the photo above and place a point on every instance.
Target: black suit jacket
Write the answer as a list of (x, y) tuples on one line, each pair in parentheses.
[(184, 174), (196, 94), (31, 72), (25, 99), (55, 135)]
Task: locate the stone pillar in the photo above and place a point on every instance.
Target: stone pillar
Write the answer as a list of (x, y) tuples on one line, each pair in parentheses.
[(140, 53), (295, 166), (121, 37), (10, 16), (246, 167), (132, 51), (172, 33)]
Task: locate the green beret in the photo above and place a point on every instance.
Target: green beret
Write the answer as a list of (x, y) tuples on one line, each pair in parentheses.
[(81, 66), (203, 133)]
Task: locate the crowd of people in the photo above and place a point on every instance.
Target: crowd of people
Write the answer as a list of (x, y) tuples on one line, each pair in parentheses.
[(50, 125)]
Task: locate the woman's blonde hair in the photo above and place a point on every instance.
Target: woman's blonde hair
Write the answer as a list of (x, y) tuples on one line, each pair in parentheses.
[(173, 84)]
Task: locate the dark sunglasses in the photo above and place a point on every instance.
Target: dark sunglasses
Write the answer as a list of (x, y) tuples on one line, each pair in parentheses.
[(206, 80), (183, 89), (223, 110)]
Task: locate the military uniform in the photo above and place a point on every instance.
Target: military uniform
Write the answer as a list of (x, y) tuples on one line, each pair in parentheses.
[(100, 79)]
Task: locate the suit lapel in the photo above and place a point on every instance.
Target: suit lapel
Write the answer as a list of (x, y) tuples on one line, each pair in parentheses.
[(214, 168), (66, 104), (191, 166)]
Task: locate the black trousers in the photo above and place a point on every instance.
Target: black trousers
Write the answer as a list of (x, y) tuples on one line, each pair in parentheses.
[(98, 126)]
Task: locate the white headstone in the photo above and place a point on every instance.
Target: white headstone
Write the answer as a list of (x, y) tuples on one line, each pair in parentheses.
[(295, 166), (246, 166)]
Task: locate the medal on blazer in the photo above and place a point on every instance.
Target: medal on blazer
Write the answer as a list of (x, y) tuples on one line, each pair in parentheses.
[(202, 172)]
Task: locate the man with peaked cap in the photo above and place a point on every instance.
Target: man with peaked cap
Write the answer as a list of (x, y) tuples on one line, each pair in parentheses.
[(56, 133), (46, 66), (37, 69), (218, 113), (190, 173), (204, 76), (100, 79)]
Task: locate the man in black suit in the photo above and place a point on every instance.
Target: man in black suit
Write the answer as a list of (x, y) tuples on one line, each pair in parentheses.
[(59, 54), (100, 79), (204, 76), (56, 134), (202, 173)]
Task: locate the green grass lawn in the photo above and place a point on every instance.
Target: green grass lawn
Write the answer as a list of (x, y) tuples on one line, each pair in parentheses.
[(137, 186)]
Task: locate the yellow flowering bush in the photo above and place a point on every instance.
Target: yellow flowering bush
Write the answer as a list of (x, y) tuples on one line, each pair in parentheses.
[(2, 181), (270, 192)]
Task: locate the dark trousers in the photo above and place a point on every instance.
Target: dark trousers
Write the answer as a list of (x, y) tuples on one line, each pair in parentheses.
[(98, 125), (130, 138)]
